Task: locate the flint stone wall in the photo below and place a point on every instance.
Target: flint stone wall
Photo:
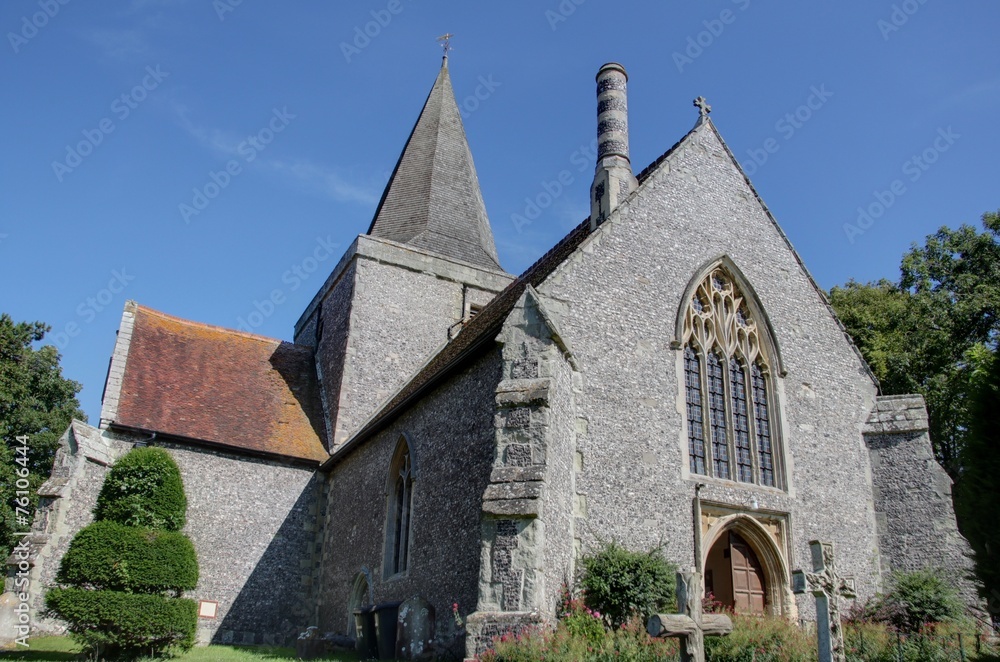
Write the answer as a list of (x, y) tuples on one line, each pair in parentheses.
[(253, 524), (385, 309), (913, 502), (450, 432), (617, 301)]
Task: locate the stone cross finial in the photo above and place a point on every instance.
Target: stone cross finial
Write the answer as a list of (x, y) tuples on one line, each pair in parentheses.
[(828, 587), (690, 625), (703, 108), (445, 40)]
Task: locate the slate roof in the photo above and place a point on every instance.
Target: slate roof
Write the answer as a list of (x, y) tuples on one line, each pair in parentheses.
[(225, 387), (433, 201)]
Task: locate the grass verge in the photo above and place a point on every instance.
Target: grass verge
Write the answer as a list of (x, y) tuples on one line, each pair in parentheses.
[(54, 649)]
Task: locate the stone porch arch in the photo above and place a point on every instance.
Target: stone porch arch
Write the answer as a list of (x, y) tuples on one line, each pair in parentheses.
[(361, 596), (780, 599)]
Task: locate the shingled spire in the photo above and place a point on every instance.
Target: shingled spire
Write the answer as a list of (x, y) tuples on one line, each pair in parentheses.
[(433, 201)]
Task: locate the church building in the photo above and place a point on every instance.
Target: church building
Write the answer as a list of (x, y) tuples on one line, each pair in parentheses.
[(440, 432)]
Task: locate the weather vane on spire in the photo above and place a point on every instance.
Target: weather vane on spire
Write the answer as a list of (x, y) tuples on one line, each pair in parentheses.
[(445, 40)]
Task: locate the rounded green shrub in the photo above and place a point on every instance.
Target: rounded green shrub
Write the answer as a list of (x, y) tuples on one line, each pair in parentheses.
[(144, 488), (922, 597), (113, 556), (620, 583), (119, 625)]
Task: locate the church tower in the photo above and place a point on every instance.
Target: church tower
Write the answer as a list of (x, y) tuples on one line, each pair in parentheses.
[(427, 264)]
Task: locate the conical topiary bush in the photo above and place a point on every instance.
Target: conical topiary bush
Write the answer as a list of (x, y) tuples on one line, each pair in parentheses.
[(120, 581)]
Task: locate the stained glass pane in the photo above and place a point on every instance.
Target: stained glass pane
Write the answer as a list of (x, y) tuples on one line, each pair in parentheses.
[(741, 424), (717, 416), (696, 430), (765, 454)]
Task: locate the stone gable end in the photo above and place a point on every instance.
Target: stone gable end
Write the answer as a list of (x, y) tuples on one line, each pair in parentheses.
[(617, 300)]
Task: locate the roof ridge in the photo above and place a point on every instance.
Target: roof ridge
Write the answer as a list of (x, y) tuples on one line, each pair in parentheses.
[(213, 327)]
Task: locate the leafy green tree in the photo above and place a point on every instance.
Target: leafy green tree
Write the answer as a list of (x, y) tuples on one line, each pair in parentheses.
[(977, 496), (36, 401), (929, 332)]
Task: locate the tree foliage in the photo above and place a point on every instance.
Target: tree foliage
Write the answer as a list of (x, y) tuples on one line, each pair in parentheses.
[(935, 332), (930, 331), (915, 600), (977, 496), (620, 584), (35, 401)]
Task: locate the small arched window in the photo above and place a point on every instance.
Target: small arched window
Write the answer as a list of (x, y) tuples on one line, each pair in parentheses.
[(399, 510), (727, 382)]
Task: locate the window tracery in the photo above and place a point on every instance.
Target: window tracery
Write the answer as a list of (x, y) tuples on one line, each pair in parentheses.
[(727, 385)]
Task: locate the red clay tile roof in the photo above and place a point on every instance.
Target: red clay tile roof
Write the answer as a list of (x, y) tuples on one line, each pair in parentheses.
[(225, 387)]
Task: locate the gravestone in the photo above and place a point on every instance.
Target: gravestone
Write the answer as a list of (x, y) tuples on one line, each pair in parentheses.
[(690, 625), (824, 583), (309, 645), (415, 629)]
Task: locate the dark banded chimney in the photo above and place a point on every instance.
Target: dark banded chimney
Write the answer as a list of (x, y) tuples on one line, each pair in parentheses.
[(613, 179)]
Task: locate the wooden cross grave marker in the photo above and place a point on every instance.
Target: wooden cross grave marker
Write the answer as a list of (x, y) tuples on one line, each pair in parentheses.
[(690, 625), (828, 587)]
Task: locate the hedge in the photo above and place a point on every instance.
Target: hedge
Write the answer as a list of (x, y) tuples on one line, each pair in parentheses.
[(116, 624), (144, 488), (112, 556)]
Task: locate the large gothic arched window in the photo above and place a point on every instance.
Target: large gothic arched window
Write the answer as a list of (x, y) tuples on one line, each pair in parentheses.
[(728, 386)]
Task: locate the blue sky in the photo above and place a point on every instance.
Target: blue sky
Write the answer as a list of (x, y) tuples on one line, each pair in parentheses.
[(117, 113)]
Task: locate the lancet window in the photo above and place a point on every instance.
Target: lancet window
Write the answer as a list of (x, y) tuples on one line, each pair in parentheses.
[(728, 386), (399, 511)]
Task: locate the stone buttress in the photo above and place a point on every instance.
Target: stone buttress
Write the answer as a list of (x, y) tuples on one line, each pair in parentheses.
[(528, 520), (912, 492)]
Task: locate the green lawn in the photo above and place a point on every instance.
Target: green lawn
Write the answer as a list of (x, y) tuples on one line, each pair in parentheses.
[(62, 648)]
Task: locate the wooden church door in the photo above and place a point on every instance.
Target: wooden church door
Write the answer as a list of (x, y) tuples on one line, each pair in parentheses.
[(749, 595)]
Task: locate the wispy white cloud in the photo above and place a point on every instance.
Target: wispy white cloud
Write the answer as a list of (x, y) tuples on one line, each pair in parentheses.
[(308, 175), (222, 144), (569, 213), (323, 180)]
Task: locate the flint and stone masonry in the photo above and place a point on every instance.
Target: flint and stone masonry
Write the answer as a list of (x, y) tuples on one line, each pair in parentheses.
[(910, 486)]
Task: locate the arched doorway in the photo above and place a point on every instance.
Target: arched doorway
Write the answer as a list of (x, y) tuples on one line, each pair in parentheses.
[(757, 581), (735, 576), (361, 596)]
